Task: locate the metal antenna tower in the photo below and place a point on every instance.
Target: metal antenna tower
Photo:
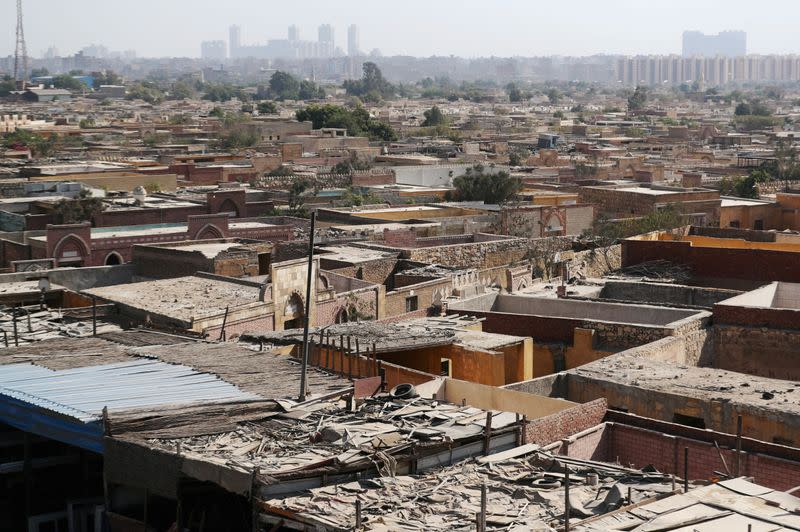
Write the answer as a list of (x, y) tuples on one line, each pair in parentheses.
[(21, 52)]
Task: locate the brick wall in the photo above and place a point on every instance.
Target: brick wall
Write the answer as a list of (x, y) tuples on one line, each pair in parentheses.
[(752, 265), (147, 216), (639, 447), (260, 324), (400, 238), (227, 201), (372, 178), (558, 426)]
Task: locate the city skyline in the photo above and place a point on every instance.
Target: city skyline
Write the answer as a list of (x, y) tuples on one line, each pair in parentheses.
[(447, 27)]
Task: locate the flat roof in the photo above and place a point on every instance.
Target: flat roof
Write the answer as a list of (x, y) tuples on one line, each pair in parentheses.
[(404, 335), (695, 382), (648, 191), (576, 309), (744, 202), (183, 298), (209, 250), (351, 254)]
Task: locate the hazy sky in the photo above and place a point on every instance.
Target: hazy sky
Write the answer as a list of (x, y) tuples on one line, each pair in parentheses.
[(467, 28)]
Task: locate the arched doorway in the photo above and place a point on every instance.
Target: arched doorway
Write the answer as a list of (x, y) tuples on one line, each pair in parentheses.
[(343, 316), (293, 313), (209, 232), (114, 259), (71, 251), (229, 207)]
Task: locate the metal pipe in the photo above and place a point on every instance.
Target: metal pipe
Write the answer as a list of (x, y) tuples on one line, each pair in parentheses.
[(304, 363)]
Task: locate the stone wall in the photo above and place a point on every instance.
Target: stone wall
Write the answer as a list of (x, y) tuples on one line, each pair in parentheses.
[(664, 293), (595, 263), (479, 255), (772, 353)]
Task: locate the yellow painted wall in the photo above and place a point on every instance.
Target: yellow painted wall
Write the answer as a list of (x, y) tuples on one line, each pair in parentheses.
[(121, 181), (509, 364), (747, 215), (416, 214), (733, 243), (583, 350), (493, 398)]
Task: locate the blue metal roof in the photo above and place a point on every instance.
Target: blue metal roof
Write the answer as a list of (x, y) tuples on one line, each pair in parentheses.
[(55, 404)]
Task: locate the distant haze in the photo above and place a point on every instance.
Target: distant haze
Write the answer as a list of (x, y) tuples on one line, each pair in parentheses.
[(468, 28)]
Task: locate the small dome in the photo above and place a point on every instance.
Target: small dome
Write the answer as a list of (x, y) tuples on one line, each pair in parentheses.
[(139, 194)]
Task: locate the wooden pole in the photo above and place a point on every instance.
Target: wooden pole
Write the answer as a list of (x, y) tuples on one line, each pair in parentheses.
[(566, 499), (358, 514), (483, 507), (738, 470), (374, 360), (487, 432), (14, 320), (309, 276), (358, 349), (94, 316), (685, 469)]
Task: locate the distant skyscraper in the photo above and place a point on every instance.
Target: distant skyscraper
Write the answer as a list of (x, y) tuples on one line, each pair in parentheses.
[(294, 33), (234, 40), (213, 50), (326, 41), (353, 41), (724, 44)]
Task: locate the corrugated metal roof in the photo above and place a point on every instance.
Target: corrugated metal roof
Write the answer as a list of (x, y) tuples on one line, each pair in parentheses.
[(81, 393)]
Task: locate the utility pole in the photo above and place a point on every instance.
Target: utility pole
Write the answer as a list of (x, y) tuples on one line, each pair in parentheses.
[(309, 278), (20, 52)]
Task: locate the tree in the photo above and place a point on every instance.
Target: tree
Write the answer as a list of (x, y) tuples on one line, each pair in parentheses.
[(283, 86), (267, 108), (491, 188), (434, 117), (553, 96), (181, 90), (310, 91), (372, 84), (81, 209), (39, 72), (786, 167), (514, 93), (743, 109), (40, 146), (7, 84), (518, 157), (68, 82), (107, 77), (638, 99), (86, 123), (223, 93), (347, 167), (146, 91), (356, 121), (296, 202), (354, 197), (607, 232)]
